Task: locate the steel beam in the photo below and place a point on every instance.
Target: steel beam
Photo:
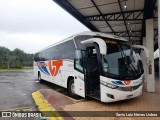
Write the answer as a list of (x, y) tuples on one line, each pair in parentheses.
[(71, 10), (102, 14), (128, 15), (132, 33), (125, 34)]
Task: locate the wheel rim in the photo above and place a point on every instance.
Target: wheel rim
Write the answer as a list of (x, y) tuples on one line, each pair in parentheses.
[(72, 88)]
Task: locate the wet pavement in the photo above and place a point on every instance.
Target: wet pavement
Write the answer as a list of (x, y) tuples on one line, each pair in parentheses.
[(16, 88)]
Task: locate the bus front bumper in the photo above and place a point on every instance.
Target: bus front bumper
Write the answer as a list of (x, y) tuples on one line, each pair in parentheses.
[(112, 95)]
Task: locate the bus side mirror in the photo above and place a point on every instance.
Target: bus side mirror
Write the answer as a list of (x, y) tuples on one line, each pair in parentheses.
[(142, 47), (101, 43)]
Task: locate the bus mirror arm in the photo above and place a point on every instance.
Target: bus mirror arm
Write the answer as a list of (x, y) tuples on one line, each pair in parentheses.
[(142, 47), (101, 43)]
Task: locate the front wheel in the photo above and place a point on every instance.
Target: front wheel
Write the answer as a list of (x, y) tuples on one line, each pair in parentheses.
[(72, 89)]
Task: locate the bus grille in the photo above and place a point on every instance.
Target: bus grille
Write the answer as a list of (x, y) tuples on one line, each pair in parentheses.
[(131, 88)]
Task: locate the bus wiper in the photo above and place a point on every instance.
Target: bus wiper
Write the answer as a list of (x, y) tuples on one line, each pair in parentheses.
[(134, 68), (128, 62)]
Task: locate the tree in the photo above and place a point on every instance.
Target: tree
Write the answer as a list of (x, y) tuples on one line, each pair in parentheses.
[(14, 59), (4, 56)]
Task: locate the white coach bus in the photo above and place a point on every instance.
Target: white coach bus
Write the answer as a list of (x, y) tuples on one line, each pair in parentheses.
[(98, 65)]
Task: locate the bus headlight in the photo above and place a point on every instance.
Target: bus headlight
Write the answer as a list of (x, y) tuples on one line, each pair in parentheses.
[(109, 85)]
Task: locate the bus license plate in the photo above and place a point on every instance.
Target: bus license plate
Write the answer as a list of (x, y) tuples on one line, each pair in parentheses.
[(129, 96)]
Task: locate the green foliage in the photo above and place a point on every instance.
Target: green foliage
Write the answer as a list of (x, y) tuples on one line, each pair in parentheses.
[(14, 59)]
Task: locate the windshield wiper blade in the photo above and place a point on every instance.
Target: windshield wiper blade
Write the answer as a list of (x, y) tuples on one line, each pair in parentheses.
[(134, 68), (128, 63)]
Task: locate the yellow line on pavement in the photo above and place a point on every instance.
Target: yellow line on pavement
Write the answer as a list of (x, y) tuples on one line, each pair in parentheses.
[(45, 107)]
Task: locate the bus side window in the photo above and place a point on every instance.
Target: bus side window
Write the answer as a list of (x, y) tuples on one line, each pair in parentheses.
[(78, 62)]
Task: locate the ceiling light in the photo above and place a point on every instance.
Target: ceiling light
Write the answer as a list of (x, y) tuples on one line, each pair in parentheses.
[(125, 6)]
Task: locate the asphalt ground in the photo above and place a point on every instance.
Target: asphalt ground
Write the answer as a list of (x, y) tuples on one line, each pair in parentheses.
[(16, 88)]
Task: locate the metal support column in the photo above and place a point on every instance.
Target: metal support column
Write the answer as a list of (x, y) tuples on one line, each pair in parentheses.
[(150, 61)]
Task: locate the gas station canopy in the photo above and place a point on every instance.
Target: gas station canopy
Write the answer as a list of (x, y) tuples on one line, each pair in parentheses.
[(125, 18)]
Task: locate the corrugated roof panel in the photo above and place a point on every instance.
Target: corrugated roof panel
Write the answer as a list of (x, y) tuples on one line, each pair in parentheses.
[(111, 8), (136, 27), (119, 28), (78, 4), (132, 5), (89, 11), (139, 4), (133, 22), (98, 23), (105, 29), (101, 25), (116, 23), (105, 2)]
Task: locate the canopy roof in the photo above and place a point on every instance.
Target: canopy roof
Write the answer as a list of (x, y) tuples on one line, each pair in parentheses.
[(125, 18)]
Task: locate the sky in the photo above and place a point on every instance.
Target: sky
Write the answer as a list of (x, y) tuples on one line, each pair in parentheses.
[(32, 25)]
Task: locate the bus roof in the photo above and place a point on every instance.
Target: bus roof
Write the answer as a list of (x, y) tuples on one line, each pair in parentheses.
[(101, 34), (88, 33)]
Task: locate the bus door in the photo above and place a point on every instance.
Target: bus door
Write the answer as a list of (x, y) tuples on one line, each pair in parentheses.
[(92, 73), (79, 80)]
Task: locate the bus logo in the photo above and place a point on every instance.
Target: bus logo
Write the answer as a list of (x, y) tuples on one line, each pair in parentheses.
[(54, 66), (127, 82)]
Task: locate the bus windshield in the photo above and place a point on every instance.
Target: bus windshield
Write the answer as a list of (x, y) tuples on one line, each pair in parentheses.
[(121, 61)]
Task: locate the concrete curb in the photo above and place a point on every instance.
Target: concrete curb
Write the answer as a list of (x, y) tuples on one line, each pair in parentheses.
[(45, 107)]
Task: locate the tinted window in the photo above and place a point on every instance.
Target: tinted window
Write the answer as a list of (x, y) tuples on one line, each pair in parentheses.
[(36, 57), (62, 51), (68, 49), (50, 53), (56, 53), (80, 38), (43, 56)]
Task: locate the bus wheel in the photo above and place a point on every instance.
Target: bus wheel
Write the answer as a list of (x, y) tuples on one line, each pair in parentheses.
[(39, 77), (71, 89)]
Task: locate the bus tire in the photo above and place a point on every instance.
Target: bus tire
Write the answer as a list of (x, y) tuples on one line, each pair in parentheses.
[(39, 77), (71, 88)]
